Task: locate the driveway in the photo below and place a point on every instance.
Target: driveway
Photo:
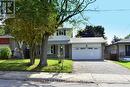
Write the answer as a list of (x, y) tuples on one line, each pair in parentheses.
[(99, 67)]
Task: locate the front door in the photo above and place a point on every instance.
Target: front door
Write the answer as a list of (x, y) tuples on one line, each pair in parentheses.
[(127, 48)]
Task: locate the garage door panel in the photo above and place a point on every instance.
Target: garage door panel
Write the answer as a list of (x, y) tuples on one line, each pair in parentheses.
[(88, 53)]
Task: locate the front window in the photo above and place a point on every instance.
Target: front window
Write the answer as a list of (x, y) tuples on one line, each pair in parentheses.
[(61, 32), (127, 49), (53, 49)]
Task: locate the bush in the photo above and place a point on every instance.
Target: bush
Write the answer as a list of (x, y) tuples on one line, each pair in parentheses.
[(5, 53)]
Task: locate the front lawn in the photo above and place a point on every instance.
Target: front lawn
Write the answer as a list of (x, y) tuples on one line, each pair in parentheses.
[(21, 65), (124, 64)]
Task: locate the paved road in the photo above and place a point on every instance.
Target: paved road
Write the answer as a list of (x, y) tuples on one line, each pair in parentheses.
[(14, 83), (99, 67)]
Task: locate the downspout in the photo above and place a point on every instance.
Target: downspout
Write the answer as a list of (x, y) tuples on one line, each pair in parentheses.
[(118, 53)]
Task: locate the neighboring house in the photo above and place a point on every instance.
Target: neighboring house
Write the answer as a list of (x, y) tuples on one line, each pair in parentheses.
[(5, 41), (119, 50), (62, 45)]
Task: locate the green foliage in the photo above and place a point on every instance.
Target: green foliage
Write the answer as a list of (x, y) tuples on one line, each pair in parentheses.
[(33, 19), (2, 31), (92, 31), (115, 39), (22, 65), (127, 37), (5, 53)]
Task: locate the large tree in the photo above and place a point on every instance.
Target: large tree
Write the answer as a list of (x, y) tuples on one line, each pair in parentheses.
[(46, 16), (92, 31), (34, 22), (66, 10), (115, 39)]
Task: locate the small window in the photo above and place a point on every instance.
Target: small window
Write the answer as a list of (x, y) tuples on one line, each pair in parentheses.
[(95, 48), (90, 48), (82, 48), (64, 32), (61, 32), (57, 32), (53, 49), (76, 48)]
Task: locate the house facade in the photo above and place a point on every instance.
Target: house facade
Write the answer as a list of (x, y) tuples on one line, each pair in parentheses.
[(63, 45), (58, 44), (119, 50)]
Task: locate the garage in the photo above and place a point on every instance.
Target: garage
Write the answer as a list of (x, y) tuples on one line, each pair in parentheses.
[(87, 48)]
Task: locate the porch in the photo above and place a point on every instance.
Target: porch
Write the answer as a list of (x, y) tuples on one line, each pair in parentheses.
[(59, 51)]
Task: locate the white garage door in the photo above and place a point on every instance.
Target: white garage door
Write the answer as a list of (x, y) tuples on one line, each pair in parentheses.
[(86, 53)]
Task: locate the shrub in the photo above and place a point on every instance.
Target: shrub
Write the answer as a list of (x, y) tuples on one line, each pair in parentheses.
[(5, 53)]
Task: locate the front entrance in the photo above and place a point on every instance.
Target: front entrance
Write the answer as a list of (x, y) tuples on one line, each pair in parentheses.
[(59, 51), (127, 50)]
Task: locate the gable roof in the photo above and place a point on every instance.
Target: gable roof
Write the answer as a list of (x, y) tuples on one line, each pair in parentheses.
[(88, 40), (124, 41), (6, 36)]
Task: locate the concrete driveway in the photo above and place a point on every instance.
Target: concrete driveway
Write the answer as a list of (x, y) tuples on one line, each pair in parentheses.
[(99, 67)]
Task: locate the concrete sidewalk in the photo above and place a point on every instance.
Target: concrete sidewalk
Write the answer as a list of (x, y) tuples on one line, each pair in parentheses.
[(66, 77)]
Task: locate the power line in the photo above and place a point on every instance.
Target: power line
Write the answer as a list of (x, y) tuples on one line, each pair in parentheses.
[(108, 10)]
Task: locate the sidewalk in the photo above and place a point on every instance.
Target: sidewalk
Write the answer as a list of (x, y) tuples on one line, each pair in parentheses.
[(66, 77)]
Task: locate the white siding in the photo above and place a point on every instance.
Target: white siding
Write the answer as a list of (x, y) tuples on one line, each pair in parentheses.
[(121, 49), (86, 51)]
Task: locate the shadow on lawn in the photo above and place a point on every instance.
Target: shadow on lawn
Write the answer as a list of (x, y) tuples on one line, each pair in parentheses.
[(57, 68)]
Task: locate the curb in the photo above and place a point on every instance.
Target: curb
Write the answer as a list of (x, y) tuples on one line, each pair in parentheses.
[(47, 80)]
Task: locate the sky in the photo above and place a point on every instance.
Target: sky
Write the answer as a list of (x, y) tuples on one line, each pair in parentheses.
[(115, 22)]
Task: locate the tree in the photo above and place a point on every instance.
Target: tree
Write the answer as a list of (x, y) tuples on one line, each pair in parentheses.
[(2, 31), (115, 39), (66, 10), (127, 37), (92, 31), (31, 22), (46, 16)]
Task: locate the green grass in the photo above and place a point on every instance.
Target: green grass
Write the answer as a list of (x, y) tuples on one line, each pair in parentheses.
[(22, 65), (124, 64)]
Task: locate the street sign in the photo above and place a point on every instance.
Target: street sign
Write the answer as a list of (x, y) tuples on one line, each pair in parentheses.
[(7, 8)]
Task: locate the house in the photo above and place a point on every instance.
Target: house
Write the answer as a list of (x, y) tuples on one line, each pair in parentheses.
[(119, 50), (62, 45), (5, 41), (59, 43)]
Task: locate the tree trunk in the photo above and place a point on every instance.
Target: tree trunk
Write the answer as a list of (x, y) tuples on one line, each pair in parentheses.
[(20, 49), (44, 48), (32, 55)]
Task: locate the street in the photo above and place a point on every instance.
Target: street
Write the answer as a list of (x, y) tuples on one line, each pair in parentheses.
[(16, 83)]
